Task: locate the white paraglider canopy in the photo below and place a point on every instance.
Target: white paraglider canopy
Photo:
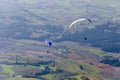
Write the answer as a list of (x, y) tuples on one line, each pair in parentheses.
[(79, 20)]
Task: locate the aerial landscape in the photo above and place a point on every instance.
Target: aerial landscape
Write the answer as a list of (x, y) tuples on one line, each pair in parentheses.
[(59, 40)]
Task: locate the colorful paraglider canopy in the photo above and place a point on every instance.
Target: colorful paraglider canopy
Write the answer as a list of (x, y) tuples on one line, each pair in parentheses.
[(48, 42)]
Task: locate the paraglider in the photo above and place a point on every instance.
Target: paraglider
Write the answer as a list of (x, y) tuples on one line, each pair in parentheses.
[(47, 51), (85, 38), (48, 42), (79, 20)]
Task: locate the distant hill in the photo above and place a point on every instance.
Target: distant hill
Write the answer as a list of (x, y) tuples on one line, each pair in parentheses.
[(105, 36), (43, 19)]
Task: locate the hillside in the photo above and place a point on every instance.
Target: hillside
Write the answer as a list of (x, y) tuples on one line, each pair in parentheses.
[(28, 59), (40, 20), (25, 25)]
